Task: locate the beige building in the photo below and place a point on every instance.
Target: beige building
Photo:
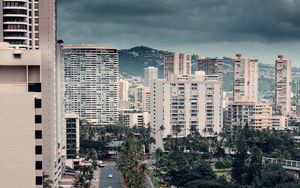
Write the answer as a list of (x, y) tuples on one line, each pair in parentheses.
[(283, 79), (142, 98), (33, 71), (123, 88), (245, 79), (150, 74), (177, 63), (240, 114), (192, 101), (134, 118), (211, 66), (280, 122), (298, 99)]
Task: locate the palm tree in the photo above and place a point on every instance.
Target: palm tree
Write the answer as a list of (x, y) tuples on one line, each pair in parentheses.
[(81, 182), (47, 181)]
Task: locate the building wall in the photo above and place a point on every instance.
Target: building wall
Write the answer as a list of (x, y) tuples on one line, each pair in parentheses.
[(142, 98), (17, 143), (283, 74), (177, 63), (245, 81), (188, 101), (150, 74), (92, 82), (124, 87), (211, 66), (19, 92)]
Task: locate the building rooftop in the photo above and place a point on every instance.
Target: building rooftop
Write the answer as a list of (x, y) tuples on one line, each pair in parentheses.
[(86, 46)]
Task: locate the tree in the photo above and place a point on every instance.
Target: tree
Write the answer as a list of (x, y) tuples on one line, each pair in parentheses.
[(271, 175), (129, 162), (47, 181), (81, 182)]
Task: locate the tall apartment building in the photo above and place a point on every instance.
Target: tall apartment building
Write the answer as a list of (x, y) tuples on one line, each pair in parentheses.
[(150, 74), (92, 82), (255, 115), (211, 66), (186, 101), (72, 138), (283, 74), (34, 66), (142, 98), (298, 98), (20, 23), (245, 79), (124, 86), (177, 63)]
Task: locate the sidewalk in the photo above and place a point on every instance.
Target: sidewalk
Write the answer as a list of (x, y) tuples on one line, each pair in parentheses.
[(96, 179)]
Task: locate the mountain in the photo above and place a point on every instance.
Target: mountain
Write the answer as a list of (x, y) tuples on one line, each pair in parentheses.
[(134, 60)]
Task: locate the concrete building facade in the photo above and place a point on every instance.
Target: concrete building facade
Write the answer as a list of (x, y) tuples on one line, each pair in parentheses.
[(124, 86), (211, 66), (92, 82), (150, 74), (245, 79), (31, 25), (142, 98), (133, 118), (177, 63), (190, 102), (283, 79)]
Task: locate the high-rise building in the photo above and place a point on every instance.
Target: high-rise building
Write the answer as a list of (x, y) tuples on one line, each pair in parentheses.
[(92, 82), (188, 102), (177, 63), (150, 74), (30, 27), (245, 79), (298, 98), (72, 138), (20, 24), (142, 98), (283, 74), (124, 86), (255, 115), (211, 66)]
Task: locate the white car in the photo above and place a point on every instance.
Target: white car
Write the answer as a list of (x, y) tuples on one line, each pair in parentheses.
[(110, 175)]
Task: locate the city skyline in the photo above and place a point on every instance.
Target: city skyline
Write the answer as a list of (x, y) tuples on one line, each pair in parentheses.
[(209, 28)]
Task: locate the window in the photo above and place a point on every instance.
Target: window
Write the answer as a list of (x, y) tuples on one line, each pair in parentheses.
[(34, 87), (39, 180), (38, 103), (38, 165), (38, 118), (38, 135), (38, 150), (17, 56)]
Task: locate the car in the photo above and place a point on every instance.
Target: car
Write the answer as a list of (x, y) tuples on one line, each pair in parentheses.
[(109, 187), (110, 175)]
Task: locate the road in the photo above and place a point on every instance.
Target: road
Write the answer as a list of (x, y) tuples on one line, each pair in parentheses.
[(115, 181), (105, 181)]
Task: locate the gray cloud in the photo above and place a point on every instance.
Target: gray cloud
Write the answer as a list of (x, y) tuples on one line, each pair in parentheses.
[(171, 23)]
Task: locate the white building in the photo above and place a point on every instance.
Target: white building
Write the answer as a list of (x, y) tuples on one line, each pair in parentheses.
[(133, 118), (177, 63), (186, 101), (92, 82), (35, 72), (124, 86), (142, 98), (245, 79), (150, 74), (283, 79)]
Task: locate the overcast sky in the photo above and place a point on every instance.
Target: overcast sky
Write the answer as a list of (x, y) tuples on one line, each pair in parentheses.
[(256, 28)]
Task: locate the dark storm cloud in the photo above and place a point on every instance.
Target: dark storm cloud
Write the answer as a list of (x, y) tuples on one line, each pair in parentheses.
[(178, 21)]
